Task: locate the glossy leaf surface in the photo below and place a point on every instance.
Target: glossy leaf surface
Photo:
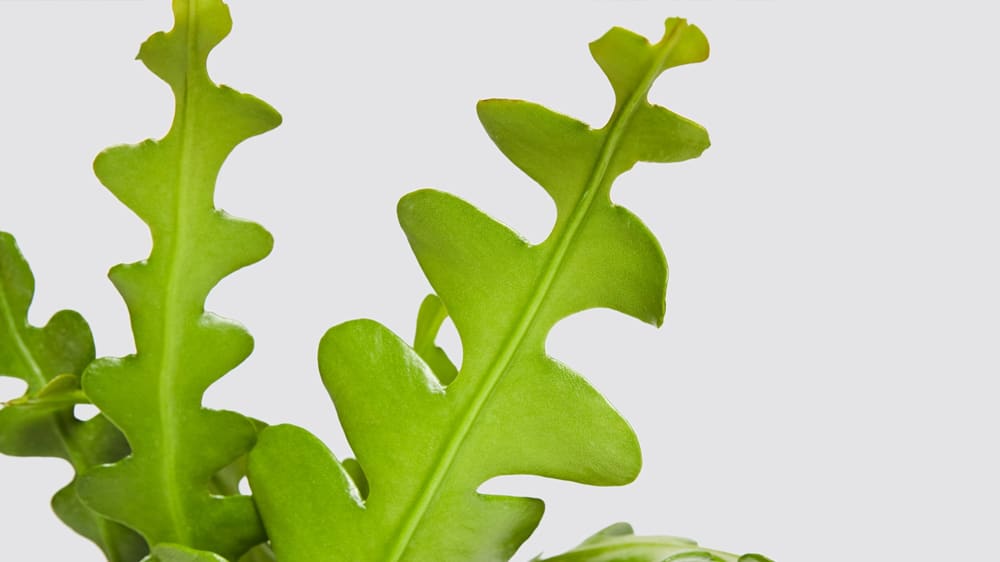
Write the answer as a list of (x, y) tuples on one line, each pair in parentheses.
[(618, 543), (425, 447), (154, 396), (41, 422)]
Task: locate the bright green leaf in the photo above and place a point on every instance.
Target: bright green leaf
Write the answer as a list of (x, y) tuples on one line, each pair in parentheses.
[(41, 423), (424, 447), (226, 482), (429, 319), (155, 395)]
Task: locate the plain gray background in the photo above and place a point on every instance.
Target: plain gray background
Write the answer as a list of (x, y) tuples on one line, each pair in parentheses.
[(823, 388)]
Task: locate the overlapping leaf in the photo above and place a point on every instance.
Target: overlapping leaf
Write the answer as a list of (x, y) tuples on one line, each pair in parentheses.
[(425, 447), (429, 319), (41, 423), (154, 396), (618, 543)]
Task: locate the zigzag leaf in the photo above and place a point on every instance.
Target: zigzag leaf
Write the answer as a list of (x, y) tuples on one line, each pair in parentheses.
[(41, 422), (154, 396), (424, 447)]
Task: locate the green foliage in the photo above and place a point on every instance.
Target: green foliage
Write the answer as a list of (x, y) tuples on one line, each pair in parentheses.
[(429, 319), (425, 444), (156, 467), (41, 422), (618, 543), (154, 396)]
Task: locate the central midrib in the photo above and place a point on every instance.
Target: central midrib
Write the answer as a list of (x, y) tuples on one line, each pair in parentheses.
[(76, 457), (173, 321), (513, 341), (38, 377)]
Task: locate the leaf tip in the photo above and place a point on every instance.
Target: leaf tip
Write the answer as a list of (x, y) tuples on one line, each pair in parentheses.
[(689, 43), (408, 204), (485, 105)]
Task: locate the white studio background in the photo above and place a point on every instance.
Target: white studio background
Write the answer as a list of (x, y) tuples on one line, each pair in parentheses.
[(823, 388)]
